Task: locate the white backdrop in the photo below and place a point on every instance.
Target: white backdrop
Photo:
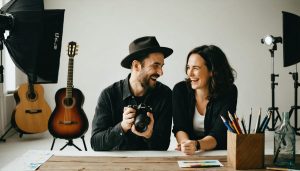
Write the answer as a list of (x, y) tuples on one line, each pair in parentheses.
[(104, 29)]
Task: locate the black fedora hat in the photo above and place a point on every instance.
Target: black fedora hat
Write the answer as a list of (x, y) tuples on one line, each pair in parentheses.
[(143, 46)]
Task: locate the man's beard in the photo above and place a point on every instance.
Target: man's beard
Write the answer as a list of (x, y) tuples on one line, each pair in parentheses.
[(145, 82)]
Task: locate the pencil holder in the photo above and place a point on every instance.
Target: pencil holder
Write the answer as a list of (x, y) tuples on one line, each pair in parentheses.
[(245, 151)]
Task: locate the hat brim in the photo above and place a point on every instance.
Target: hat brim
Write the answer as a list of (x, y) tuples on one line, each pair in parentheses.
[(126, 62)]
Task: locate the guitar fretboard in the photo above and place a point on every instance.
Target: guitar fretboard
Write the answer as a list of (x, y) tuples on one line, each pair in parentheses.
[(70, 78)]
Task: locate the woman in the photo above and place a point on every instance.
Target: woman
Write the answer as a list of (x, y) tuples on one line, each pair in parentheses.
[(198, 102)]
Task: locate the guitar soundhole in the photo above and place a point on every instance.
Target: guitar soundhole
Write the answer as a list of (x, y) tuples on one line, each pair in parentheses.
[(68, 101), (31, 96)]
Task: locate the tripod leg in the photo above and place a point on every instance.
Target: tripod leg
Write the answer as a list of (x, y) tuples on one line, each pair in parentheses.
[(53, 143), (272, 128), (291, 112), (295, 126), (70, 143), (274, 119), (277, 117), (2, 137), (65, 145), (76, 147), (84, 143)]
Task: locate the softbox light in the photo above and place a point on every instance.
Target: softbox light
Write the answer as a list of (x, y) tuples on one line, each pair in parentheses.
[(34, 41), (23, 5), (291, 39)]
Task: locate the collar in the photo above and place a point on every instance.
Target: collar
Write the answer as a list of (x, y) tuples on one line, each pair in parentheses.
[(126, 88)]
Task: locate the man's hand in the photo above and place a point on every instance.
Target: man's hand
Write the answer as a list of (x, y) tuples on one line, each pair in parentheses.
[(128, 118), (148, 133)]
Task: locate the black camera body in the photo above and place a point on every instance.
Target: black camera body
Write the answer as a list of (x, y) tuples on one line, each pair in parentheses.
[(141, 120)]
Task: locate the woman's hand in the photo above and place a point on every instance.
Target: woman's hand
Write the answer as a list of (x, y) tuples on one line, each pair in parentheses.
[(178, 147), (188, 147)]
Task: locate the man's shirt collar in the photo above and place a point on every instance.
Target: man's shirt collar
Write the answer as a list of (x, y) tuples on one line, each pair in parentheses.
[(126, 88)]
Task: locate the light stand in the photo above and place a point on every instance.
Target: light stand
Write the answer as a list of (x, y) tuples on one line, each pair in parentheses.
[(273, 109), (295, 107), (1, 82), (1, 65)]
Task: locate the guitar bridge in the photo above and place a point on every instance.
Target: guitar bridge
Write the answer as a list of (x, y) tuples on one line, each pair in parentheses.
[(33, 111), (67, 122)]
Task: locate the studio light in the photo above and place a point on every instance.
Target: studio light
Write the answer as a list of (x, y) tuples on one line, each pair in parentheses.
[(6, 21), (34, 39), (270, 40)]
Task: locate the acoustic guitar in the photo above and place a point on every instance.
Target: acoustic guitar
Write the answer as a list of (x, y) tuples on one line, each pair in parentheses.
[(68, 120), (32, 112)]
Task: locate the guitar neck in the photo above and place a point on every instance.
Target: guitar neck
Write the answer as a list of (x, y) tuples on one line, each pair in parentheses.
[(30, 88), (70, 78)]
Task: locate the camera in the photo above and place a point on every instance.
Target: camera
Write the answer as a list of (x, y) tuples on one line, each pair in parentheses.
[(141, 120)]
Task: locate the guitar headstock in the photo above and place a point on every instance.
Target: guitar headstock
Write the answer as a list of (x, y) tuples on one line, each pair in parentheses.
[(72, 49)]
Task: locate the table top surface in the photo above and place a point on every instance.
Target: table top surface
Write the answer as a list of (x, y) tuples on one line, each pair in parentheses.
[(121, 160), (137, 160), (133, 163)]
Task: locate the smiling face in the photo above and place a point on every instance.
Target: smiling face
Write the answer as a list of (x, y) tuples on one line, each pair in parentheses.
[(198, 72), (151, 69)]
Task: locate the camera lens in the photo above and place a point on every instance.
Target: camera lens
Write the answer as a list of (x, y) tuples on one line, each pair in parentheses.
[(141, 122)]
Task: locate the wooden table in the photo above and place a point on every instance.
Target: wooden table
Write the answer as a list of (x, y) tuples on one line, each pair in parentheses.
[(107, 163)]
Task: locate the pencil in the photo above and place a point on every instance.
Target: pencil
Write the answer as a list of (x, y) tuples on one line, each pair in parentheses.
[(229, 123), (236, 121), (250, 117), (243, 124), (233, 124), (265, 124), (258, 122), (226, 124), (260, 127)]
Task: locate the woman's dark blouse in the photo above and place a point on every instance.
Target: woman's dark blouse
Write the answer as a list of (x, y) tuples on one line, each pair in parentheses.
[(184, 101)]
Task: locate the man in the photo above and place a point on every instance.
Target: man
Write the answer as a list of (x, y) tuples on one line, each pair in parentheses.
[(113, 126)]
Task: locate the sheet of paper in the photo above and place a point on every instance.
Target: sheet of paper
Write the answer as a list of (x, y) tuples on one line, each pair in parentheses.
[(30, 160), (199, 163)]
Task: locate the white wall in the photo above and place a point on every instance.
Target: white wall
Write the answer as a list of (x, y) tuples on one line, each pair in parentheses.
[(104, 29)]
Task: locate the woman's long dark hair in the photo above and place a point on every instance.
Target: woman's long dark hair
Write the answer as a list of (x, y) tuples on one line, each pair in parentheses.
[(223, 74)]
